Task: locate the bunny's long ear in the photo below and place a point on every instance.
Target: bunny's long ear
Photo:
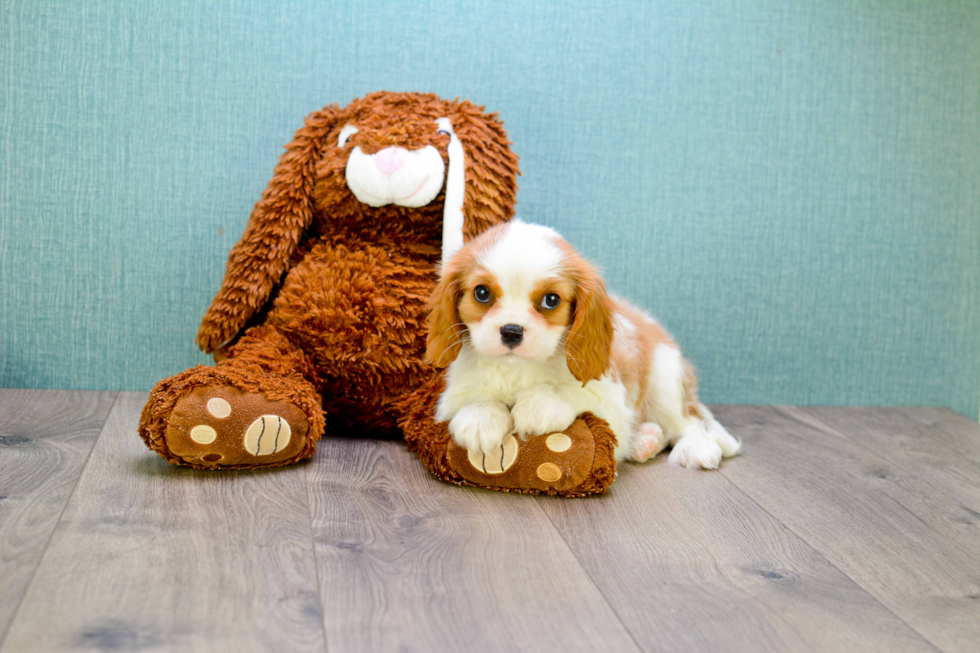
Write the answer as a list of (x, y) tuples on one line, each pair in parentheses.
[(256, 264), (491, 168)]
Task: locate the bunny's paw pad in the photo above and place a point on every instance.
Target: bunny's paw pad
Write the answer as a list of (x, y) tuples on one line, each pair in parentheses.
[(221, 426), (546, 463)]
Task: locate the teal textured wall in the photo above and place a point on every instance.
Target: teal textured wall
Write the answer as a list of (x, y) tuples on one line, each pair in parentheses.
[(793, 188)]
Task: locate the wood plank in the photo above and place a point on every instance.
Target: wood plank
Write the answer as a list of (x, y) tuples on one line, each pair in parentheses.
[(409, 563), (689, 563), (911, 547), (153, 556), (45, 438), (938, 445)]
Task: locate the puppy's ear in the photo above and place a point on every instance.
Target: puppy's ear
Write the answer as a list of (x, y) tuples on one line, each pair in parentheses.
[(491, 168), (446, 330), (589, 342), (256, 264)]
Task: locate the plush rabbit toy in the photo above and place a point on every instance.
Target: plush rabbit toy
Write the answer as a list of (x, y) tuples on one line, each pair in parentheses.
[(322, 309)]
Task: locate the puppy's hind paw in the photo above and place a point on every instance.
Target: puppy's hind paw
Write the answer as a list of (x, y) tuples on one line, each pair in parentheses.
[(730, 445), (696, 451), (648, 442)]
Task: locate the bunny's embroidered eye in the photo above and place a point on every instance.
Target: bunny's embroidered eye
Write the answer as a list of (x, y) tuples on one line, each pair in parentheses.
[(346, 133), (550, 301), (481, 294)]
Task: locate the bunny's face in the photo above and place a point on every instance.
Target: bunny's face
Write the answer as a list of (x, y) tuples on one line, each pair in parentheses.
[(415, 150), (389, 150)]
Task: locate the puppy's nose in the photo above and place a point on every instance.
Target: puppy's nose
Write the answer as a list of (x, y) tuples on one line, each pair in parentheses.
[(512, 334)]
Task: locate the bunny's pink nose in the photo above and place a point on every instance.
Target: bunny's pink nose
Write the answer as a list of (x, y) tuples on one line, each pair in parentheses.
[(390, 159)]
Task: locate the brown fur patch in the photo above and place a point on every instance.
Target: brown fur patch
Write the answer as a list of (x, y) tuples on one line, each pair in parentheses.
[(692, 405), (445, 326), (470, 309), (589, 341), (562, 314), (634, 359)]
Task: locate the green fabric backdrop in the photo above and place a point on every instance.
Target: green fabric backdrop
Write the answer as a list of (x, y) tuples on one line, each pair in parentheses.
[(793, 188)]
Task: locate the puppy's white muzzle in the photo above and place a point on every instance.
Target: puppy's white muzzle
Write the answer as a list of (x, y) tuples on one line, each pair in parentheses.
[(410, 178)]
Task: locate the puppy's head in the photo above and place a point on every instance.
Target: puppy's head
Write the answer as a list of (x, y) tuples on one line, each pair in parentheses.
[(519, 291)]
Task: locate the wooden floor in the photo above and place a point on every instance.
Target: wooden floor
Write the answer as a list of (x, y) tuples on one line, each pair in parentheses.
[(854, 529)]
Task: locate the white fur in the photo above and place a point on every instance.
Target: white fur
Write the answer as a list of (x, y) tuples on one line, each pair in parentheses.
[(481, 427), (475, 379), (541, 409), (533, 382)]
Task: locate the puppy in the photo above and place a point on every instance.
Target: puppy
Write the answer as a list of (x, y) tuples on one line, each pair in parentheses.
[(532, 340)]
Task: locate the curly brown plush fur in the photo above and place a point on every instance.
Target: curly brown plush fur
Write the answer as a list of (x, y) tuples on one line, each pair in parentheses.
[(322, 309), (352, 280), (339, 285)]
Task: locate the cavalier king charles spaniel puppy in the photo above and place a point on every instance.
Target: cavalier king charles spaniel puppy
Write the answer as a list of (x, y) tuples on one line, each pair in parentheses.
[(532, 340)]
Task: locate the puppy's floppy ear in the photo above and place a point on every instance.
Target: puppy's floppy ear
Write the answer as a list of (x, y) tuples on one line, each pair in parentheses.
[(445, 337), (491, 168), (256, 264), (589, 342)]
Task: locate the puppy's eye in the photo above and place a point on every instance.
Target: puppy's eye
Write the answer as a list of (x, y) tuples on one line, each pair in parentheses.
[(481, 294), (550, 301)]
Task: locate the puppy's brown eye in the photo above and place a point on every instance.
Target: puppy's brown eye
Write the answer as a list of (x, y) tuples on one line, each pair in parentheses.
[(481, 294), (550, 301)]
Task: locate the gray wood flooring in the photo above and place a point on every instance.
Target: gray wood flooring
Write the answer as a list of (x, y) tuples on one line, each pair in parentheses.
[(837, 529)]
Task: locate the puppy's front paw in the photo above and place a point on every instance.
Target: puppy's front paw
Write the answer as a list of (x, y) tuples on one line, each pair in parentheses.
[(540, 411), (481, 428)]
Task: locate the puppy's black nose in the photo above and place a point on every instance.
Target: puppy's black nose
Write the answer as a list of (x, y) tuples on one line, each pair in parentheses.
[(512, 334)]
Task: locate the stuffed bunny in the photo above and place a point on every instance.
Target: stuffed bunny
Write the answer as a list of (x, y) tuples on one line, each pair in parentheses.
[(322, 309)]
